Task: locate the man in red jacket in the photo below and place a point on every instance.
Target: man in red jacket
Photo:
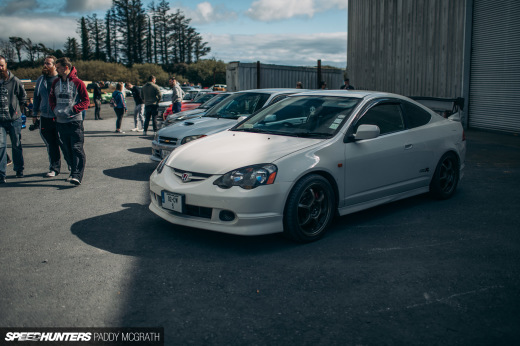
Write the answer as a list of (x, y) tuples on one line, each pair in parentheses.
[(68, 98)]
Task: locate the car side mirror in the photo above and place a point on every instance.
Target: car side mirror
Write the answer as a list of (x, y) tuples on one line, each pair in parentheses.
[(367, 132)]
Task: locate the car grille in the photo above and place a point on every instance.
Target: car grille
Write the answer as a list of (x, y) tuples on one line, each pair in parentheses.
[(190, 210), (188, 177), (168, 140)]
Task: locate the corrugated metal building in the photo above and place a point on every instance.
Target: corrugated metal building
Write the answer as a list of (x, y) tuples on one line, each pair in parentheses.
[(441, 48), (244, 76)]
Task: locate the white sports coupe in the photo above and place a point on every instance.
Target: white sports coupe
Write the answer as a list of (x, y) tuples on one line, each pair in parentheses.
[(294, 165)]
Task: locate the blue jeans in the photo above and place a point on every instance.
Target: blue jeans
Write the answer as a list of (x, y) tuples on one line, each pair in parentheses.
[(177, 106), (14, 128)]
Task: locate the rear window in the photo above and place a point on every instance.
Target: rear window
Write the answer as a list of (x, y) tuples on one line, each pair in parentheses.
[(414, 115)]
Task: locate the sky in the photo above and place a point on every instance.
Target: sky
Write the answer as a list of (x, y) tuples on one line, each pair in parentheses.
[(283, 32)]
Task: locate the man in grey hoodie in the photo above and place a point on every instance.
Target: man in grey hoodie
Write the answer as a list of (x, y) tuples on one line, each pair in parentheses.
[(48, 130), (68, 98), (12, 100)]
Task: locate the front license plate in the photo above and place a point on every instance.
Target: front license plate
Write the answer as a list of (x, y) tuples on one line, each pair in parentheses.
[(165, 153), (173, 201)]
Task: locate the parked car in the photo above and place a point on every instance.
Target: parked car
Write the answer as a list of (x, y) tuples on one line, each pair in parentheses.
[(219, 118), (164, 103), (199, 100), (219, 87), (171, 118), (294, 165)]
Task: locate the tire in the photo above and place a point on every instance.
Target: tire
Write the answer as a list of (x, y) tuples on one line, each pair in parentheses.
[(309, 209), (446, 177)]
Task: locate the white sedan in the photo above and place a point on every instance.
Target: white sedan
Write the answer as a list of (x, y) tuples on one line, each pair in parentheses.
[(296, 164)]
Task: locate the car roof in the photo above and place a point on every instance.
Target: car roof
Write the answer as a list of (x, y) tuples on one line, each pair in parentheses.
[(352, 93), (273, 91)]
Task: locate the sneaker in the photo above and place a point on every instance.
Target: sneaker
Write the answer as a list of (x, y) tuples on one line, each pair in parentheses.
[(9, 161), (50, 174), (19, 174), (69, 178), (99, 118), (75, 181), (144, 133), (2, 180), (135, 130)]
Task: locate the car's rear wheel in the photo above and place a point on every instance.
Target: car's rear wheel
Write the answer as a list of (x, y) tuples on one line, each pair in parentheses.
[(446, 177), (309, 209)]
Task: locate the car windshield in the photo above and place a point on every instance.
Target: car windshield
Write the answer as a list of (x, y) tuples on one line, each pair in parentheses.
[(167, 97), (203, 97), (238, 104), (190, 95), (213, 101), (302, 116)]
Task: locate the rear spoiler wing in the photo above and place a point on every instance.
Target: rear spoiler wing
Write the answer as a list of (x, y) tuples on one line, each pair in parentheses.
[(448, 108)]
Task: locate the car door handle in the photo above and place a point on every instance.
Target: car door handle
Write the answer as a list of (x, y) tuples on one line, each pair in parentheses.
[(408, 146)]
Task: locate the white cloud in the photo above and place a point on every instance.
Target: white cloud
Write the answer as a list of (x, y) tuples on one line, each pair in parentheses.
[(205, 13), (272, 10), (285, 49), (42, 29), (86, 5), (11, 7)]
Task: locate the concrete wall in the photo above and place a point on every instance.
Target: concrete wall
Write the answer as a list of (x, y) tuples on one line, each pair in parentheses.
[(410, 47)]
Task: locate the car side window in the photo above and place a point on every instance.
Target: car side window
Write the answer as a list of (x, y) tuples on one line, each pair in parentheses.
[(415, 116), (277, 98), (387, 116)]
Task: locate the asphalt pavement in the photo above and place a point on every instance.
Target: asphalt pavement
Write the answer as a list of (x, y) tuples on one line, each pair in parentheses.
[(414, 272)]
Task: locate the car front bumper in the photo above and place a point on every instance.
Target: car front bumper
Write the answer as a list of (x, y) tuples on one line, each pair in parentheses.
[(160, 151), (255, 212)]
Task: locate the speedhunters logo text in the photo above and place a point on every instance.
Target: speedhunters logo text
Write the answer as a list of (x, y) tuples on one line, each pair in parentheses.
[(82, 336), (49, 336)]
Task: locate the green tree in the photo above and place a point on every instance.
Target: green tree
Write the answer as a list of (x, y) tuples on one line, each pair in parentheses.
[(207, 72), (85, 39), (72, 48), (18, 44)]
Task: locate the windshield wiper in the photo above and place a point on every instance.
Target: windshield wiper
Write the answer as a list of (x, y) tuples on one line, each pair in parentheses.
[(312, 134), (253, 129)]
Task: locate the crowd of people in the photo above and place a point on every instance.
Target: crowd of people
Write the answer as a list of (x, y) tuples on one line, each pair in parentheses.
[(60, 98)]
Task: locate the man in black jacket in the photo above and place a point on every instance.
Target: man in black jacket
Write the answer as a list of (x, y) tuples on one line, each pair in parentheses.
[(12, 101), (97, 100)]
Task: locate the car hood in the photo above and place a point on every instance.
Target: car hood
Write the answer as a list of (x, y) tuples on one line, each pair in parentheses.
[(198, 126), (228, 150)]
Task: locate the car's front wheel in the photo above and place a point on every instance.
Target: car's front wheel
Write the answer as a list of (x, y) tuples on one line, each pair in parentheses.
[(446, 177), (309, 209)]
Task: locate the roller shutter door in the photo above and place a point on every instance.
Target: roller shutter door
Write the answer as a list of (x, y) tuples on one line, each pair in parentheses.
[(494, 100)]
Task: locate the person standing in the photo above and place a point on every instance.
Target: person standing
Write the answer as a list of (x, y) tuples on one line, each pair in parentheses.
[(151, 96), (177, 96), (139, 106), (97, 100), (346, 85), (120, 106), (68, 98), (48, 130), (12, 101)]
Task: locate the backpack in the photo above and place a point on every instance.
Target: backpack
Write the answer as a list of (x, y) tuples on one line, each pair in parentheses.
[(112, 102)]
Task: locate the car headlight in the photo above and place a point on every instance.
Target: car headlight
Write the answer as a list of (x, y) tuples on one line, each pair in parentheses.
[(248, 177), (191, 138), (161, 165)]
